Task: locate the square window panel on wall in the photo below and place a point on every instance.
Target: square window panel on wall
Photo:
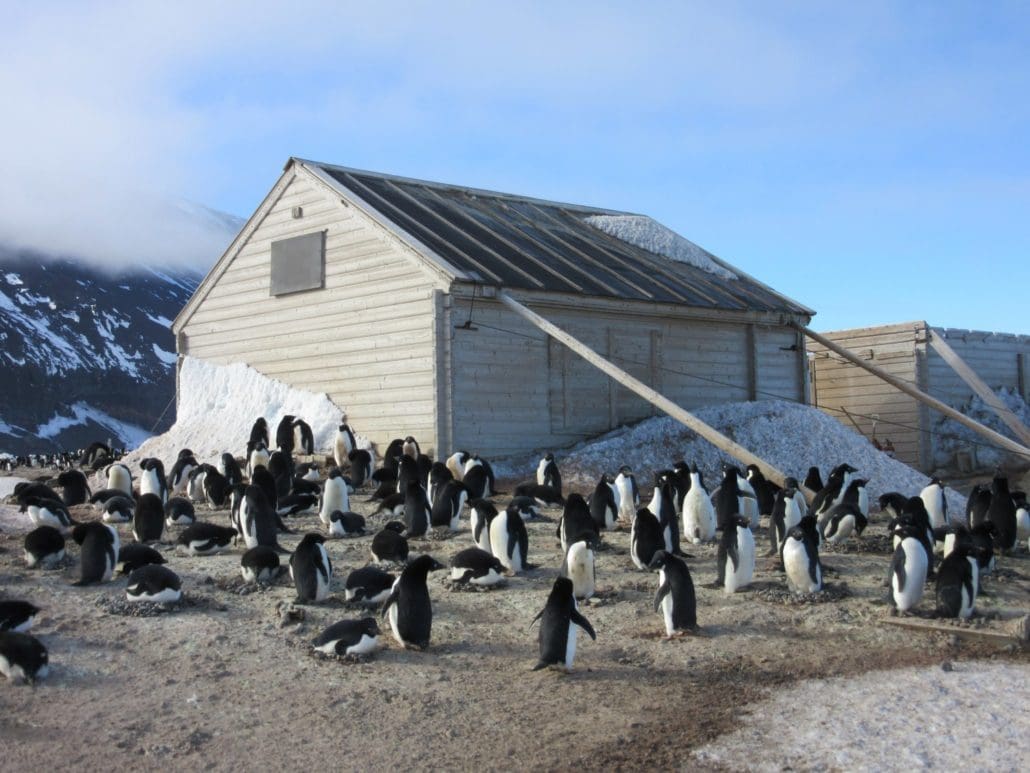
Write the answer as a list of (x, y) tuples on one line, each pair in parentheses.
[(298, 264)]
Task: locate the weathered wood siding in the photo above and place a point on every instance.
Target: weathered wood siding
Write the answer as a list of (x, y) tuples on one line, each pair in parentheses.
[(367, 339), (999, 359), (515, 389), (838, 385)]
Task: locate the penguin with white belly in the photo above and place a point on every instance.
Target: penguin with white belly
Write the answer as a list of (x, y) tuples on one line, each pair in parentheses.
[(409, 608), (675, 596), (559, 620), (311, 569), (736, 556), (800, 557), (698, 511), (579, 567)]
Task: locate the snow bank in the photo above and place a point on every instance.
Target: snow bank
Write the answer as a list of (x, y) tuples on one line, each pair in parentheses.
[(219, 404), (7, 485), (952, 436), (650, 235), (789, 436)]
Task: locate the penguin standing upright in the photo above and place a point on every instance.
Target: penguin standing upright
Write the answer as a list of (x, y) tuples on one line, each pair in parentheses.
[(259, 432), (409, 608), (547, 472), (1002, 513), (360, 467), (180, 474), (813, 479), (449, 504), (786, 514), (98, 554), (481, 513), (558, 621), (727, 498), (284, 438), (675, 596), (148, 522), (343, 444), (576, 522), (311, 569), (410, 447), (476, 480), (334, 495), (579, 567), (1022, 515), (892, 503), (833, 492), (698, 511), (736, 556), (765, 492), (303, 437), (417, 512), (958, 580), (645, 538), (800, 557), (257, 456), (74, 488), (663, 505), (258, 520), (978, 504), (604, 507), (936, 503), (229, 469), (908, 569), (509, 540), (152, 479), (629, 494), (456, 464), (120, 477)]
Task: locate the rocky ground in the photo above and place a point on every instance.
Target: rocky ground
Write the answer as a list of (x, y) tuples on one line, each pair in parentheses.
[(225, 681)]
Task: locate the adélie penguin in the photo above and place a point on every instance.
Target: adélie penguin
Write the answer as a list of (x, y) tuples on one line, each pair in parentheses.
[(408, 607), (448, 506), (576, 522), (206, 539), (368, 585), (17, 615), (148, 522), (98, 554), (481, 513), (908, 569), (335, 495), (179, 511), (311, 569), (261, 564), (134, 555), (698, 511), (22, 657), (1002, 513), (629, 494), (417, 512), (675, 596), (389, 544), (547, 473), (154, 583), (736, 556), (509, 540), (44, 546), (346, 524), (786, 514), (800, 557), (476, 566), (645, 538), (958, 581), (604, 504), (349, 637), (579, 567), (559, 620)]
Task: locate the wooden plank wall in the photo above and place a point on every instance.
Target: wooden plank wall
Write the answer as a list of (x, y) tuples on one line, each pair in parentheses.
[(366, 339), (838, 384)]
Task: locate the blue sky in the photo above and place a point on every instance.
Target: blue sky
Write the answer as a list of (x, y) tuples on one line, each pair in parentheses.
[(870, 160)]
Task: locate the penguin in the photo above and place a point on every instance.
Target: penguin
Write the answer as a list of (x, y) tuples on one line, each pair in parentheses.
[(698, 512), (476, 566), (229, 469), (343, 444), (389, 544), (47, 512), (576, 523), (259, 432), (346, 524), (393, 504), (206, 539), (257, 456), (1022, 515), (298, 504), (785, 515), (800, 557), (195, 483), (148, 522), (308, 472), (306, 485), (25, 490), (261, 565), (117, 510), (424, 464), (736, 557), (681, 483), (17, 615), (526, 506), (417, 513), (410, 447), (179, 475), (957, 584), (311, 569), (304, 439), (675, 596), (120, 477), (833, 492), (978, 504), (547, 473), (74, 488), (727, 498), (349, 637), (645, 538), (360, 467), (664, 508), (509, 540), (281, 466), (814, 479), (179, 511), (408, 607), (456, 464), (604, 507), (284, 439), (152, 479), (154, 583), (892, 503), (22, 657), (95, 454), (393, 451), (134, 555), (258, 520), (438, 476), (98, 554), (765, 491), (558, 621), (407, 471), (629, 494), (578, 566), (908, 569), (100, 498), (481, 513), (1002, 513), (748, 500), (983, 537), (936, 503), (476, 481), (490, 489), (368, 585), (449, 504), (545, 495), (952, 535), (841, 520), (216, 487), (914, 512), (44, 546)]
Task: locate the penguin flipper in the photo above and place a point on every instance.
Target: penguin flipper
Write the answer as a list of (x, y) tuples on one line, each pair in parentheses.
[(535, 618), (663, 590), (390, 601), (540, 665), (583, 623)]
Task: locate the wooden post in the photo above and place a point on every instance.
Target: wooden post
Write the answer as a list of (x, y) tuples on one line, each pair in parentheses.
[(933, 402), (710, 434), (978, 385)]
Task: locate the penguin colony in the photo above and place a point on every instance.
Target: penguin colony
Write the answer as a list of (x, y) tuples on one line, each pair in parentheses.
[(143, 514)]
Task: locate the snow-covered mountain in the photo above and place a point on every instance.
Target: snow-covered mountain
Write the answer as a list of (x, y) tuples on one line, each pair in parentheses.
[(85, 355)]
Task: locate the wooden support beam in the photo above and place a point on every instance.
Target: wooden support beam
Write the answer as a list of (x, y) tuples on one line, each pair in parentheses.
[(681, 415), (995, 437), (978, 385)]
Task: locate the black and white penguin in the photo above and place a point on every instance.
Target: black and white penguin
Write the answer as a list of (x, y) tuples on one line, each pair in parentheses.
[(509, 540), (259, 432), (135, 555), (547, 472), (914, 512), (368, 585), (22, 657), (261, 564), (98, 554), (344, 444), (74, 487), (393, 504), (675, 596), (424, 464), (439, 475), (259, 523), (1002, 513), (179, 511), (476, 566), (117, 510), (349, 637), (407, 471), (229, 469), (216, 487), (748, 500), (154, 583), (47, 512), (284, 439), (800, 557), (180, 472), (392, 453), (417, 513), (360, 467), (449, 504), (983, 537), (736, 556), (698, 512), (977, 505), (281, 466), (579, 567), (727, 498), (558, 621), (663, 505), (544, 495), (100, 498), (629, 494), (206, 539), (1022, 515), (346, 524), (481, 512), (785, 516), (892, 504), (456, 463), (604, 507), (936, 503), (476, 480), (833, 492), (17, 615), (303, 438), (908, 569), (410, 447), (645, 538), (841, 521), (958, 581), (298, 504), (576, 523), (94, 454), (681, 482), (408, 607), (814, 479), (44, 546), (120, 477), (257, 456), (311, 569), (389, 544), (148, 522), (765, 490), (526, 506), (152, 479)]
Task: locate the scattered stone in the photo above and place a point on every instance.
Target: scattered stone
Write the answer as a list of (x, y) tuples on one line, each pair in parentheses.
[(782, 595), (288, 613)]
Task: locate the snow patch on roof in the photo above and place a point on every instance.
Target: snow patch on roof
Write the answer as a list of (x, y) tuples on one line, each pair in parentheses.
[(81, 413), (641, 231)]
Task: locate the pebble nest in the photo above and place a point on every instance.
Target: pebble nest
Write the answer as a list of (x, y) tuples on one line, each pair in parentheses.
[(454, 586), (125, 608), (829, 594), (868, 543), (347, 659), (237, 586)]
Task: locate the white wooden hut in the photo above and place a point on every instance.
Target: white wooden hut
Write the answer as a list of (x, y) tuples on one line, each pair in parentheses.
[(382, 291)]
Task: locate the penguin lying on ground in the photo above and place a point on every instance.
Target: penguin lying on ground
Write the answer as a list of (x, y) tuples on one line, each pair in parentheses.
[(349, 637)]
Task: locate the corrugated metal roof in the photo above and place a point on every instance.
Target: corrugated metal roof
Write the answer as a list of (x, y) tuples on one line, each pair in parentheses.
[(530, 244)]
